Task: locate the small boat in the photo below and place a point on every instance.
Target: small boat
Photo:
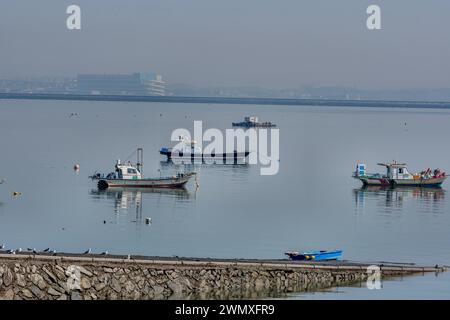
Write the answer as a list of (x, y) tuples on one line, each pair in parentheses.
[(397, 174), (318, 255), (252, 122), (127, 175), (189, 153)]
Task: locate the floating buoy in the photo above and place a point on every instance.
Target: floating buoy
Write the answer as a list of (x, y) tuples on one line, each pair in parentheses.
[(76, 167), (148, 220)]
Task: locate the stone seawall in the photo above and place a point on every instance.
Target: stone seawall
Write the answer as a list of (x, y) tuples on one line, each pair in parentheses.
[(69, 277)]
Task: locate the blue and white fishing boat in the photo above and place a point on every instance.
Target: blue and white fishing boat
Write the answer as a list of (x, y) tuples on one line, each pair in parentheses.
[(318, 255)]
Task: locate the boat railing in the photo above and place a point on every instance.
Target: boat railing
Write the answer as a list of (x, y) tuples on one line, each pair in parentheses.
[(369, 174)]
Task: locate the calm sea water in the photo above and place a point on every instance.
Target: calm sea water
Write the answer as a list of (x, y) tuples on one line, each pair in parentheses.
[(312, 203)]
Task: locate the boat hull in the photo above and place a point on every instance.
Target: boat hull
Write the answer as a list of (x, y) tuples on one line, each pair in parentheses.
[(170, 182), (431, 182), (191, 158), (367, 181), (316, 255), (253, 125)]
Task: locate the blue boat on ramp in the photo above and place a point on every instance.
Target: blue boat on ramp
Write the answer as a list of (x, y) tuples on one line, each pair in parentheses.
[(318, 255)]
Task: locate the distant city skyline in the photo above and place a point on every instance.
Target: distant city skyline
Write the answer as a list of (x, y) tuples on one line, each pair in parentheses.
[(157, 86), (252, 43)]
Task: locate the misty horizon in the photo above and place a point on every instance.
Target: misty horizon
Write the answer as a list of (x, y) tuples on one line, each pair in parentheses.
[(289, 44)]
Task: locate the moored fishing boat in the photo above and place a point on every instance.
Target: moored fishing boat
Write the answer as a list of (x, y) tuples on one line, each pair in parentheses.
[(127, 175), (318, 255), (252, 122), (397, 174), (190, 153)]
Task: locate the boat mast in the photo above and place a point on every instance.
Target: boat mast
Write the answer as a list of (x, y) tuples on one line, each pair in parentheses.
[(140, 159)]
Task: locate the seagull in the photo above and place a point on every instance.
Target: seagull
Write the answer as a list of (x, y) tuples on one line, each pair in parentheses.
[(54, 252), (128, 257), (11, 251), (105, 253), (19, 250), (88, 251), (2, 246), (34, 251), (47, 250)]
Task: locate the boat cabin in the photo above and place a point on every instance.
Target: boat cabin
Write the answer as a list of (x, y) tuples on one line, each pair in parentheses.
[(396, 170), (127, 171), (186, 146), (251, 119)]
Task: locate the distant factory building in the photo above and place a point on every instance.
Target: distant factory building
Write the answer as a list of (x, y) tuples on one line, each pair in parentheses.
[(132, 84)]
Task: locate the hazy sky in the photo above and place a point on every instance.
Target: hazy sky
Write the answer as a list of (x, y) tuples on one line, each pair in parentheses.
[(270, 43)]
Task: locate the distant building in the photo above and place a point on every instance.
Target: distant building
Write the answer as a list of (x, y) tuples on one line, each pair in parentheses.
[(133, 84)]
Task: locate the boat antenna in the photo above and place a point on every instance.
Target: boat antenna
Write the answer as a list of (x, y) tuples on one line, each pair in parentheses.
[(140, 159)]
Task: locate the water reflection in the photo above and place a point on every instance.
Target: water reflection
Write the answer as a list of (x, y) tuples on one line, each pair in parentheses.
[(131, 200), (390, 199), (236, 172)]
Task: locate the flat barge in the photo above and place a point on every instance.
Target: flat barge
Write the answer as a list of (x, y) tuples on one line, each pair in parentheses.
[(252, 122)]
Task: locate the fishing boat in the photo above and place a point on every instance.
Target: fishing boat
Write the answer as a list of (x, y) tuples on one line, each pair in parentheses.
[(127, 175), (397, 174), (187, 152), (318, 255), (252, 122)]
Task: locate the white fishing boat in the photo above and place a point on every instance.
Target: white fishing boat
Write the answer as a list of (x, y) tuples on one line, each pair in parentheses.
[(127, 175), (397, 174)]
